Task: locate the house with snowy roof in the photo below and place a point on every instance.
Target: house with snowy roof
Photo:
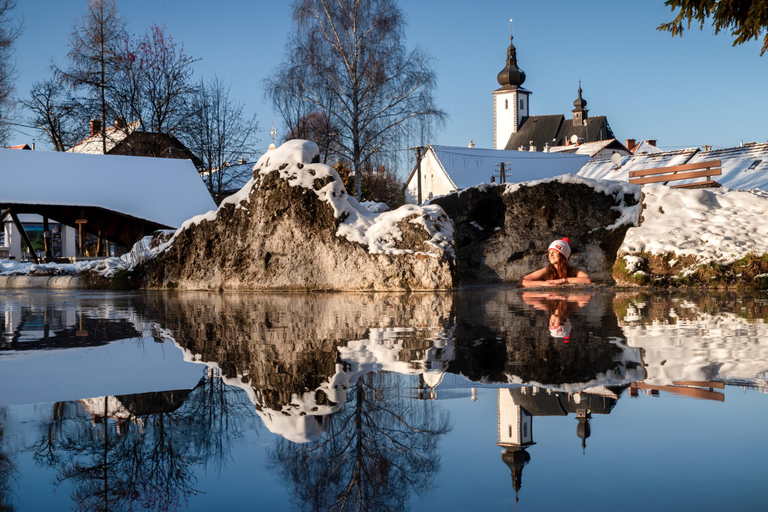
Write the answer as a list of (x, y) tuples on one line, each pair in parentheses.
[(515, 128), (441, 170), (743, 167), (127, 139), (115, 198), (598, 150)]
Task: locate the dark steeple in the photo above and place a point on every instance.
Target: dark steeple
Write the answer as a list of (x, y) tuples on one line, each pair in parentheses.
[(516, 457), (580, 110), (511, 77)]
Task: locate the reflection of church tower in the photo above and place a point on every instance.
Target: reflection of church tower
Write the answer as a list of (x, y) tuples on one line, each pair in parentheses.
[(510, 101), (583, 430), (515, 433)]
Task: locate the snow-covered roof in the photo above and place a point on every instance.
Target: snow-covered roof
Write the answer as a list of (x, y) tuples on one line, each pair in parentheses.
[(468, 167), (743, 167), (646, 148), (608, 171), (92, 145), (166, 191), (588, 148)]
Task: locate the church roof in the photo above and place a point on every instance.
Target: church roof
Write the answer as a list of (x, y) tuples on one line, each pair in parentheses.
[(556, 130)]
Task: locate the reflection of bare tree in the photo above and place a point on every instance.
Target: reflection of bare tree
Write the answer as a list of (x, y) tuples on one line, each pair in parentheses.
[(7, 472), (140, 450), (378, 448)]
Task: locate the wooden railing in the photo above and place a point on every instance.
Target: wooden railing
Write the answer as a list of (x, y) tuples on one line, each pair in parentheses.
[(680, 172)]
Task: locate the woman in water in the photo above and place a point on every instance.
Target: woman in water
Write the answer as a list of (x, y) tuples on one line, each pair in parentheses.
[(559, 272)]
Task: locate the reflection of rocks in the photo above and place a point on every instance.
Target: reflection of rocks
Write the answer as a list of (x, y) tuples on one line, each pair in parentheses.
[(293, 228), (502, 232), (688, 336), (297, 355), (499, 338)]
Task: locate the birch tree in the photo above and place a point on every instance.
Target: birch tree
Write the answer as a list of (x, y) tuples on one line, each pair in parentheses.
[(347, 59), (9, 31)]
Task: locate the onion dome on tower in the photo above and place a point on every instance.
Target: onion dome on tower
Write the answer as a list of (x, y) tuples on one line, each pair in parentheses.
[(511, 76)]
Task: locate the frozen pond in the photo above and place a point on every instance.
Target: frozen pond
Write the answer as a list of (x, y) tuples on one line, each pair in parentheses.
[(484, 399)]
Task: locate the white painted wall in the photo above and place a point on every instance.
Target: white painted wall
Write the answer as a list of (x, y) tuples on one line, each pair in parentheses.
[(515, 424), (434, 181), (504, 117)]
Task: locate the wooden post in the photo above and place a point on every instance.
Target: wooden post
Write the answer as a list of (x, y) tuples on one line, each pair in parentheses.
[(80, 223), (47, 239), (24, 236)]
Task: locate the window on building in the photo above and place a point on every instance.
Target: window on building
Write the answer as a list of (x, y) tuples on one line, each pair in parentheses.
[(753, 166), (522, 104), (506, 104)]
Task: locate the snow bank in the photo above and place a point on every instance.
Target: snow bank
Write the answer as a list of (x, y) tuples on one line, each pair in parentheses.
[(711, 225)]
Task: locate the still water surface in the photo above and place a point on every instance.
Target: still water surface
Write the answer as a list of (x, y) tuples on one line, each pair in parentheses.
[(483, 399)]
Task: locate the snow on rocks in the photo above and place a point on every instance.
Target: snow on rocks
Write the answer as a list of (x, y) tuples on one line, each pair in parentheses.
[(293, 226), (685, 231)]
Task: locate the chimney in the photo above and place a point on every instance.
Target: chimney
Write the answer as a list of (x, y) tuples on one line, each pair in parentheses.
[(652, 142), (119, 122), (471, 144), (95, 127), (630, 144)]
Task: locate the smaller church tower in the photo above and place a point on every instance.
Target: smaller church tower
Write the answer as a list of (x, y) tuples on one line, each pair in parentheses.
[(580, 109), (510, 101)]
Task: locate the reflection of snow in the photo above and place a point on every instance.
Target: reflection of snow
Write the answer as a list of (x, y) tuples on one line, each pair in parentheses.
[(723, 346), (304, 418)]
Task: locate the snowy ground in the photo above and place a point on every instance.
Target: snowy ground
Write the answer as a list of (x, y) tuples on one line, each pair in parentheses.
[(712, 225)]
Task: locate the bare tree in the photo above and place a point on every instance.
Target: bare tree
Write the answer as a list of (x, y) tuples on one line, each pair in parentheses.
[(348, 60), (9, 31), (317, 127), (94, 54), (220, 134), (154, 87), (54, 113)]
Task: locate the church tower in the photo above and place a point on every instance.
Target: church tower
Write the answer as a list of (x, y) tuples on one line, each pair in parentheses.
[(510, 101)]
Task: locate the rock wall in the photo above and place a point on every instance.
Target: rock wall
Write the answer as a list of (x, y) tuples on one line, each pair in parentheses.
[(502, 232), (293, 227)]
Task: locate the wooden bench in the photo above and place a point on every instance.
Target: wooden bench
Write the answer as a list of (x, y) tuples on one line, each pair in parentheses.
[(680, 172)]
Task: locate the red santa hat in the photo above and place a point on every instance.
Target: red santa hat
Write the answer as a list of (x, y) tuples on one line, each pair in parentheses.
[(562, 246)]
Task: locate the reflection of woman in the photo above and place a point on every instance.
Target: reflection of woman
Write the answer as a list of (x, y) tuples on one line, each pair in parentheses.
[(558, 307), (559, 272)]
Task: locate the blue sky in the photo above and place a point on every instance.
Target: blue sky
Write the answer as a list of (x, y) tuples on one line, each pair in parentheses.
[(684, 92)]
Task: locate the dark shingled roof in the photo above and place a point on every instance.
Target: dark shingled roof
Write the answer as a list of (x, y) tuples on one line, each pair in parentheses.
[(557, 130), (561, 404)]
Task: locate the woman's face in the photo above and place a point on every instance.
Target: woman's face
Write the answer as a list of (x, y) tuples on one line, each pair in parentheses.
[(554, 257)]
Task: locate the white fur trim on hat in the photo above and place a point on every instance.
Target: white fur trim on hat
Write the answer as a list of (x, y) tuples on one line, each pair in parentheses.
[(562, 331), (562, 247)]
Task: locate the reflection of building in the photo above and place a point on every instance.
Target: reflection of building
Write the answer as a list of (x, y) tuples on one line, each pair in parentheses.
[(518, 406), (515, 433)]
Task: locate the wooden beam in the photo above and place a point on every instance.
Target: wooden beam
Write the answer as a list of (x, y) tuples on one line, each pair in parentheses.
[(682, 390), (675, 177), (700, 383), (675, 168), (23, 234)]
